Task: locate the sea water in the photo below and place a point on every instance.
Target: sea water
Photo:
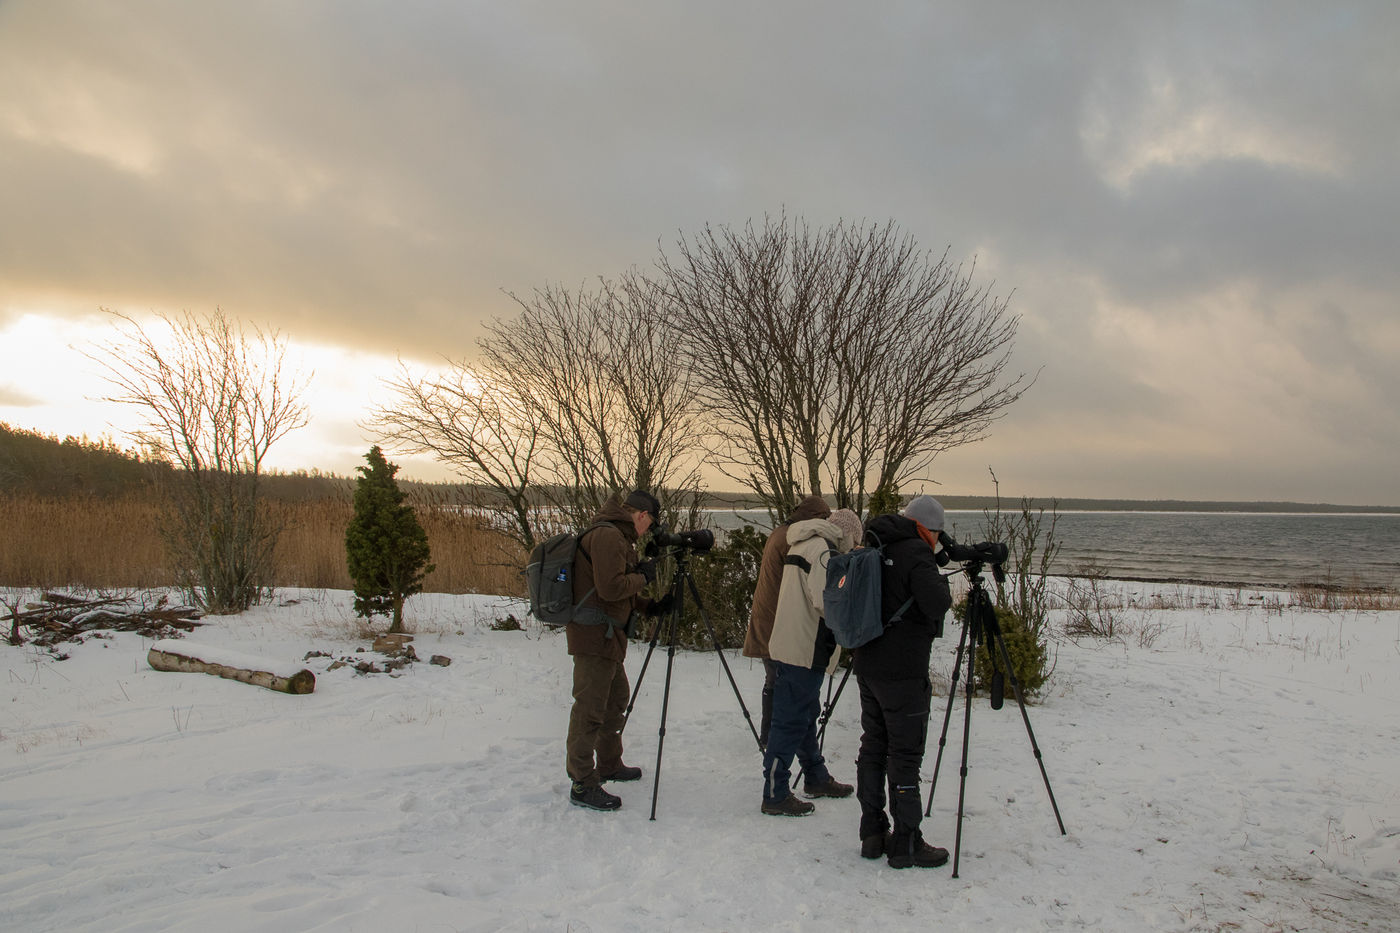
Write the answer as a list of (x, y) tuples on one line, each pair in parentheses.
[(1273, 549)]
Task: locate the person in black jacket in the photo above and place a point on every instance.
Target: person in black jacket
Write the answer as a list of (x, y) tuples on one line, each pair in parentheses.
[(892, 674)]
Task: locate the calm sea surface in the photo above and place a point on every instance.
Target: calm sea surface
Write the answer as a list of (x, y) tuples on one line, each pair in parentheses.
[(1269, 549)]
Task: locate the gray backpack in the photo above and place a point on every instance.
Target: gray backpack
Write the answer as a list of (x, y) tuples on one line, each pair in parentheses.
[(549, 576)]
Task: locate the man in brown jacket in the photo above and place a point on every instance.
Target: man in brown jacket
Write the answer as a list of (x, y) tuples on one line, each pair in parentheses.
[(765, 602), (608, 581)]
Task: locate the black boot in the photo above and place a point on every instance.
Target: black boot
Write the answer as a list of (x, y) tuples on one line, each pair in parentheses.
[(912, 852), (593, 797), (875, 846)]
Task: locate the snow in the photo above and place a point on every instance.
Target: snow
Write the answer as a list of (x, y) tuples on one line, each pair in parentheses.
[(1239, 771)]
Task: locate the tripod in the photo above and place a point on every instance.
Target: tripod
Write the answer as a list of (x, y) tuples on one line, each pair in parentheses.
[(670, 624), (825, 716), (980, 625)]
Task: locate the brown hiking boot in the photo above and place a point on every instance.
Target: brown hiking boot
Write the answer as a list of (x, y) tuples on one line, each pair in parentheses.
[(827, 788), (788, 806), (622, 773)]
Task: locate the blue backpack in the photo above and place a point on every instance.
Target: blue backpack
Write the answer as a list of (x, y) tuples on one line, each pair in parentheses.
[(851, 597)]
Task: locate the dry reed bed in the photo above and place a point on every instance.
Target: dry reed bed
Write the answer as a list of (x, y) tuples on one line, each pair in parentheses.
[(106, 544)]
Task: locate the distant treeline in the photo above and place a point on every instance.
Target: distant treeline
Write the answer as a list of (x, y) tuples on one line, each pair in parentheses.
[(40, 465), (1155, 505), (34, 464)]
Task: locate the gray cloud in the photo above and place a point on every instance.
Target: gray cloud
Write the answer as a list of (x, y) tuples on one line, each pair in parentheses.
[(1193, 203)]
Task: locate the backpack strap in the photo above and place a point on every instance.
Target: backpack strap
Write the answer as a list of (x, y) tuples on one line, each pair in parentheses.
[(798, 561), (898, 613), (593, 615)]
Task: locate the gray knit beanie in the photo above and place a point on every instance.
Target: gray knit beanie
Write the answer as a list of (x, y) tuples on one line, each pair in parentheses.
[(927, 511), (852, 530)]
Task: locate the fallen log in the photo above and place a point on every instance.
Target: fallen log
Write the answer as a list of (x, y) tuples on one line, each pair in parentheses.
[(183, 657)]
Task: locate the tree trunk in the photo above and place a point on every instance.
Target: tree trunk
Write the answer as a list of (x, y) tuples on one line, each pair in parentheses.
[(164, 657)]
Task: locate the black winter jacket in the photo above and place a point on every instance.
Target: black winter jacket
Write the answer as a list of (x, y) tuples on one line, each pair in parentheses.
[(902, 652)]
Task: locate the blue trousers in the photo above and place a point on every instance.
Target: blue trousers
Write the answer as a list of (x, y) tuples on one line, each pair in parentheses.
[(796, 705)]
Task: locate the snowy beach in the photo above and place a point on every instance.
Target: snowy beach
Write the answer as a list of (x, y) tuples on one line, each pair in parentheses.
[(1230, 764)]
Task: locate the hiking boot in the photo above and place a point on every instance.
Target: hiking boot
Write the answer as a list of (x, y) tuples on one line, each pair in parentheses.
[(622, 773), (593, 797), (827, 788), (875, 846), (917, 854), (788, 806)]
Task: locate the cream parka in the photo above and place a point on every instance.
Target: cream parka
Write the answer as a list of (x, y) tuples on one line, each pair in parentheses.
[(799, 638)]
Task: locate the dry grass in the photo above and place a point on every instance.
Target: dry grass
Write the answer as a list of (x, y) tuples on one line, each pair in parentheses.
[(1350, 598), (91, 543), (100, 544)]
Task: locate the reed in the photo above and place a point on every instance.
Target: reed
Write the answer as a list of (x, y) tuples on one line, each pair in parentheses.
[(110, 544)]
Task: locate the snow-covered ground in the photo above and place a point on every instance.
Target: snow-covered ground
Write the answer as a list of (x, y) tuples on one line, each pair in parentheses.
[(1240, 772)]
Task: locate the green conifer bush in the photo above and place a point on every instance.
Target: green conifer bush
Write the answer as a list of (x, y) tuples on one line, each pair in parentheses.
[(386, 549), (1028, 654)]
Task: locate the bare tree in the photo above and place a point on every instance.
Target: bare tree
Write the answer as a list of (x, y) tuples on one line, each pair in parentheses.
[(572, 400), (216, 397), (471, 418), (616, 410), (837, 361)]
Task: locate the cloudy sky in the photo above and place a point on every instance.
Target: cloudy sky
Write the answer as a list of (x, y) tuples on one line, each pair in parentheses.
[(1194, 206)]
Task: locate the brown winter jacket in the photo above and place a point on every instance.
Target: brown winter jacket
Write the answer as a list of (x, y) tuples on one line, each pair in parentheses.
[(770, 577), (606, 560)]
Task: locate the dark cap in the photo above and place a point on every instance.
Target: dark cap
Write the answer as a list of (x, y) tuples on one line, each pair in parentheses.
[(643, 501)]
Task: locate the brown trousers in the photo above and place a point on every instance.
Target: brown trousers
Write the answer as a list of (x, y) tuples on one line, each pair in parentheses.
[(594, 744)]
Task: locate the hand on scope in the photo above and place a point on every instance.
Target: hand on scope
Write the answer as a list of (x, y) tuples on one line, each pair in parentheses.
[(647, 568), (661, 606)]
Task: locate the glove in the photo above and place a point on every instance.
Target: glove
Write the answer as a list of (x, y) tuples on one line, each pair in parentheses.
[(661, 606), (647, 568)]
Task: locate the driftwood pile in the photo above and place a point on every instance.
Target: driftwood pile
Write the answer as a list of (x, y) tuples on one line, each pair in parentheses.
[(61, 617)]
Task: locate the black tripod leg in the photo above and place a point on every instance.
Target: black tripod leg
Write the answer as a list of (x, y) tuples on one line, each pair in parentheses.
[(830, 707), (1021, 702), (967, 737), (641, 675), (947, 715), (714, 640), (665, 701)]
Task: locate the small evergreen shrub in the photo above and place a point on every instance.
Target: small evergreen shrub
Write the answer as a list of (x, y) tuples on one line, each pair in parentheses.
[(386, 549), (1028, 654), (726, 577)]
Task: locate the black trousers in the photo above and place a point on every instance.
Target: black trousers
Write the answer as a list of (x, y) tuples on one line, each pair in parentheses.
[(894, 722)]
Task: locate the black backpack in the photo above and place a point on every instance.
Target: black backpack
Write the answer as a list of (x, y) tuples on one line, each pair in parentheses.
[(851, 597), (549, 576)]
